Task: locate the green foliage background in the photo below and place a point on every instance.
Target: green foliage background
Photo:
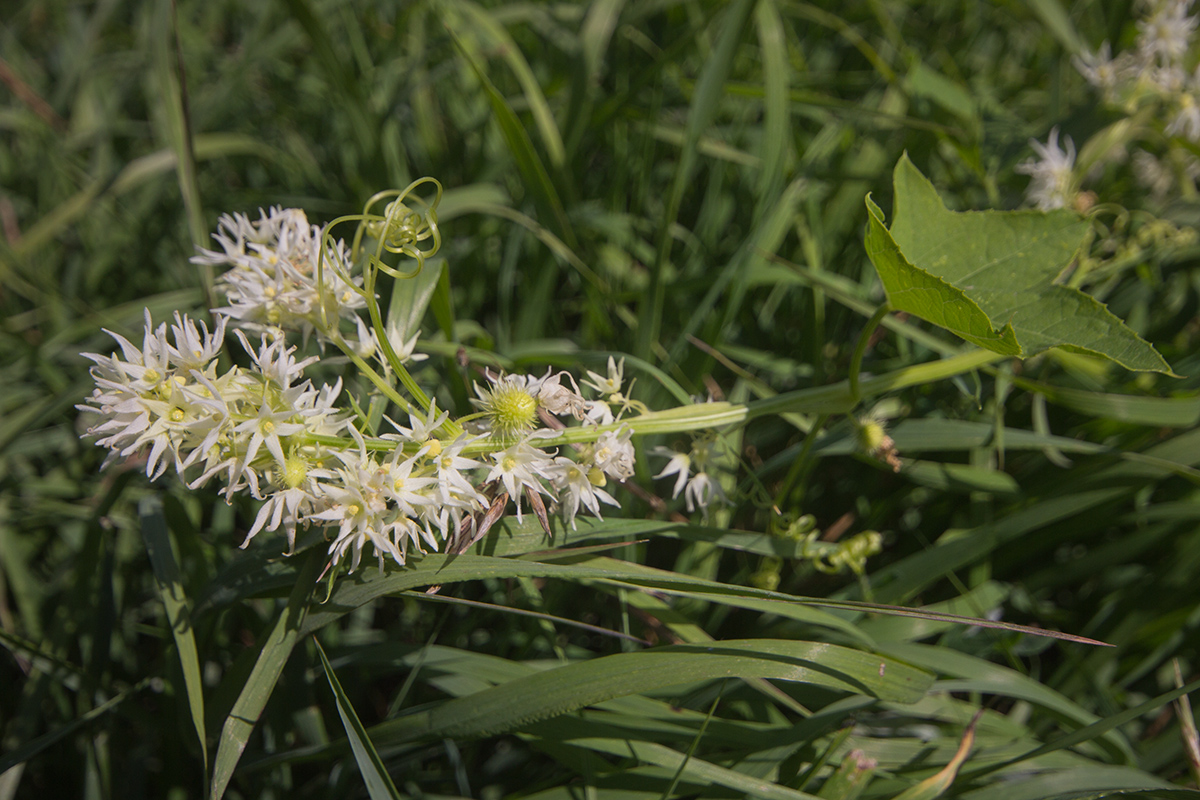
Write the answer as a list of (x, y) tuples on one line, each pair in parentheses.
[(679, 181)]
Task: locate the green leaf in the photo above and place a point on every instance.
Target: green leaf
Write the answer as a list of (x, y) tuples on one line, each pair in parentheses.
[(410, 299), (584, 683), (936, 785), (988, 276), (929, 297), (374, 773), (267, 669), (170, 589)]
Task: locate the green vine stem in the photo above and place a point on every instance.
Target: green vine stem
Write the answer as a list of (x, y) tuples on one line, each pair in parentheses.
[(833, 399), (860, 350)]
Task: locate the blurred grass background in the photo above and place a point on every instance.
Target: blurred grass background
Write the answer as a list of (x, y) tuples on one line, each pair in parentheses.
[(620, 178)]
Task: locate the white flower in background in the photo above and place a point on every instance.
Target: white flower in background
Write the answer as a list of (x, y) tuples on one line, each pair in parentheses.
[(701, 491), (1187, 119), (679, 465), (1165, 34), (1152, 174), (611, 383), (1052, 173), (1101, 70), (692, 473)]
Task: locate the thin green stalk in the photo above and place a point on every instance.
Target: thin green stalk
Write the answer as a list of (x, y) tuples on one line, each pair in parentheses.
[(799, 462), (860, 350), (832, 399)]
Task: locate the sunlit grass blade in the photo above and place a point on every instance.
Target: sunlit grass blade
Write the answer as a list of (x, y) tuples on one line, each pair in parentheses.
[(370, 765), (936, 785), (502, 44), (172, 88)]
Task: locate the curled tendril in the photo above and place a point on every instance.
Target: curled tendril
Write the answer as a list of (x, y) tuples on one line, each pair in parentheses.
[(406, 221), (852, 554), (398, 230), (401, 228)]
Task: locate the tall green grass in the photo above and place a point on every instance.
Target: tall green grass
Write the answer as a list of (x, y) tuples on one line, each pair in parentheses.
[(681, 182)]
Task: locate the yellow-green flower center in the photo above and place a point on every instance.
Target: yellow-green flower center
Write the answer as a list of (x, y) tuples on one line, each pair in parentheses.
[(511, 410), (295, 470)]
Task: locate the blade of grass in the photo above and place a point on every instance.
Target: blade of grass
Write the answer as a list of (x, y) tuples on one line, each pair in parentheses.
[(503, 44), (267, 668), (536, 178), (705, 101), (370, 765), (557, 691), (24, 753), (174, 599)]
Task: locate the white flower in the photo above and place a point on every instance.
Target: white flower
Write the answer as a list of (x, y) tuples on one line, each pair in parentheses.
[(1052, 185), (559, 399), (404, 349), (520, 466), (701, 491), (613, 453), (1187, 120), (510, 404), (577, 486), (679, 465), (422, 430), (299, 496), (149, 396), (1100, 69), (1153, 174), (408, 491), (597, 412), (1165, 34), (359, 507), (281, 276), (610, 384), (450, 465)]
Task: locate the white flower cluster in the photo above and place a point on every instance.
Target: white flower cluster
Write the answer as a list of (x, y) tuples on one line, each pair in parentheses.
[(1157, 65), (511, 407), (1162, 71), (273, 283), (1161, 67), (267, 431)]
